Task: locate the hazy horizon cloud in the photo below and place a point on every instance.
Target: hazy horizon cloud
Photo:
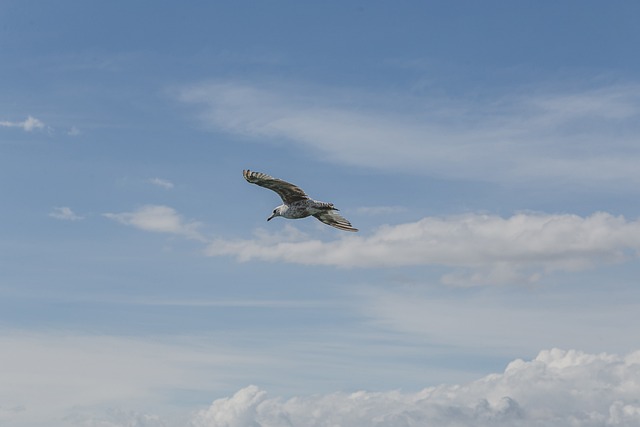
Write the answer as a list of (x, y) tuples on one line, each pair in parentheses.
[(589, 390)]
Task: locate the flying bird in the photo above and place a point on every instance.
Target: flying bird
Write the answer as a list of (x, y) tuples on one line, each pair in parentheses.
[(295, 203)]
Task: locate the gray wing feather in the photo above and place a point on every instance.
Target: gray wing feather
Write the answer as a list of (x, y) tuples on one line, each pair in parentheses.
[(335, 220), (288, 192)]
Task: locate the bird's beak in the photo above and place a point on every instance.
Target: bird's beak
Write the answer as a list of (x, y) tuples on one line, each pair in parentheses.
[(271, 217)]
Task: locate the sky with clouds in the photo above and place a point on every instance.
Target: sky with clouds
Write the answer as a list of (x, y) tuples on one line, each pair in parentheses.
[(488, 153)]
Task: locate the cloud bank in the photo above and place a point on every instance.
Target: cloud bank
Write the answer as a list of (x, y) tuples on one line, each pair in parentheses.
[(557, 388), (540, 137), (482, 248)]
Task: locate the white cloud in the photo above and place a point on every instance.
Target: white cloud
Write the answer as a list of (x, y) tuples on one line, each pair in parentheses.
[(159, 219), (168, 185), (557, 388), (514, 139), (28, 125), (484, 248), (64, 213)]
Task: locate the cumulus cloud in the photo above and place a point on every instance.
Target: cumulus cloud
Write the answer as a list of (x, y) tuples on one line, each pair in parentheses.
[(28, 125), (483, 248), (544, 137), (64, 213), (558, 387), (167, 185), (159, 219)]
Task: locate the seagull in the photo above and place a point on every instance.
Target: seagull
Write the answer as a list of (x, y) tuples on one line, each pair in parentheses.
[(296, 204)]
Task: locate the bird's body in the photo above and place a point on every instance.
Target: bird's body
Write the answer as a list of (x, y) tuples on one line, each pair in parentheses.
[(296, 204), (304, 208)]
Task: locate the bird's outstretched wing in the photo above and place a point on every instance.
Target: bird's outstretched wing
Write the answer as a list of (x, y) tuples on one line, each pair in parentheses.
[(335, 220), (288, 192)]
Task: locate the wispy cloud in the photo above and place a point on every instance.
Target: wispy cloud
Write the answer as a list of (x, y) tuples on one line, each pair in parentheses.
[(73, 131), (232, 303), (159, 219), (498, 321), (482, 249), (167, 185), (64, 213), (544, 137), (28, 125)]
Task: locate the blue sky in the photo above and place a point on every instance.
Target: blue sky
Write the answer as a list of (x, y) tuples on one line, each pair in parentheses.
[(487, 151)]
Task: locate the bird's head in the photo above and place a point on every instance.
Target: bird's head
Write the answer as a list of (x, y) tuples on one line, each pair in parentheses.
[(276, 212)]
